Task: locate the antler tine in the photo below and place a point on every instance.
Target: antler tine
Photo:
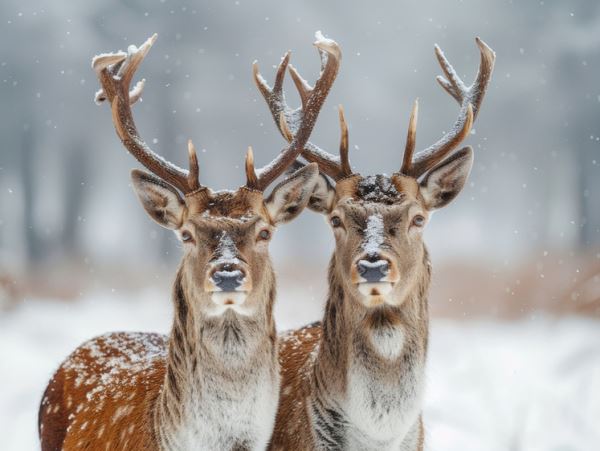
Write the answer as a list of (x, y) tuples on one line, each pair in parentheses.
[(470, 99), (411, 139), (344, 160), (296, 125), (251, 179), (193, 180), (115, 72), (285, 130), (428, 158), (454, 86), (274, 96)]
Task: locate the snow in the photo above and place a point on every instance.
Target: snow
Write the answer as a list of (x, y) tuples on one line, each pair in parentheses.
[(531, 384), (373, 234), (122, 363), (527, 385), (378, 188), (37, 336), (99, 96), (226, 250), (327, 45), (103, 60), (136, 93)]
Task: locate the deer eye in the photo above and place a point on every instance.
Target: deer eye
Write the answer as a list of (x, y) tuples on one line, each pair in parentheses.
[(336, 221), (264, 234), (186, 237), (418, 221)]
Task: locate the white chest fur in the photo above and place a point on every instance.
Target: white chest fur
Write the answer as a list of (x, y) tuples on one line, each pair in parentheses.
[(387, 342), (242, 417), (383, 408)]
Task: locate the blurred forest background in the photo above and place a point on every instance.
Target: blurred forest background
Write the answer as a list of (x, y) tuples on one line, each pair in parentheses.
[(517, 254), (524, 235)]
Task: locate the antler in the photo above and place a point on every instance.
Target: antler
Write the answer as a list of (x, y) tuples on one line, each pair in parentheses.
[(469, 98), (115, 72), (289, 121)]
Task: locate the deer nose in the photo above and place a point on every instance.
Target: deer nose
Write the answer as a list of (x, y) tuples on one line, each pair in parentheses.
[(374, 269), (228, 279)]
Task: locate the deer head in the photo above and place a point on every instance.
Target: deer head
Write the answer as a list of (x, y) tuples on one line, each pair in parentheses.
[(378, 220), (225, 234)]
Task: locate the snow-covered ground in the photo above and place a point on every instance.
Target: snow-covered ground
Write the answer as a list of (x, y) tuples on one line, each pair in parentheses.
[(526, 385)]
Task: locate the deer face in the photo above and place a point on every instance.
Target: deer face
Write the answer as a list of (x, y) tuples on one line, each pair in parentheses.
[(225, 236), (379, 249), (378, 224)]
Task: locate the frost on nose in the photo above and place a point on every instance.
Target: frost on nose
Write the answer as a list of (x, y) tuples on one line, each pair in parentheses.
[(226, 251), (373, 235)]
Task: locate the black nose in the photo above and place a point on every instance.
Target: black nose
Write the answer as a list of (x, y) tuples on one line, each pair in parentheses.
[(373, 271), (228, 280)]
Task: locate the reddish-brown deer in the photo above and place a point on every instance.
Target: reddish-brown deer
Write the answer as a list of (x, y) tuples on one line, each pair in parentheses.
[(355, 380), (213, 383)]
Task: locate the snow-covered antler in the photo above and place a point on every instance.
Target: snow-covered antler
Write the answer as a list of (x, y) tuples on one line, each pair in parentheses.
[(115, 72), (289, 121), (469, 98)]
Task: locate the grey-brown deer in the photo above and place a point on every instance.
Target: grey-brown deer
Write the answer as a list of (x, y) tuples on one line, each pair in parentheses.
[(355, 381), (213, 383)]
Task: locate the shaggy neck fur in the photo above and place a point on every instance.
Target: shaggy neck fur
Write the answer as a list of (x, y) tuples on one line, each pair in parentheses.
[(369, 370), (222, 378)]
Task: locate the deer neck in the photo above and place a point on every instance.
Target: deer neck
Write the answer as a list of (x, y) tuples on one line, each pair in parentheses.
[(371, 359), (217, 364)]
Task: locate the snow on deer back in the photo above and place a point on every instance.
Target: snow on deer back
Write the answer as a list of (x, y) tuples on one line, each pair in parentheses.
[(111, 380), (213, 383)]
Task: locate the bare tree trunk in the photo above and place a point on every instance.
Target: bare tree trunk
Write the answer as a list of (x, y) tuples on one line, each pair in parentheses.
[(34, 245), (589, 193), (77, 168)]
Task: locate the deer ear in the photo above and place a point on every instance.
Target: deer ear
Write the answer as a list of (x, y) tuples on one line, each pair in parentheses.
[(322, 197), (289, 198), (160, 200), (443, 183)]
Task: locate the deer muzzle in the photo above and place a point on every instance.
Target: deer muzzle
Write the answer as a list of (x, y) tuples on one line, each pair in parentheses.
[(372, 271), (228, 280), (375, 276), (228, 284)]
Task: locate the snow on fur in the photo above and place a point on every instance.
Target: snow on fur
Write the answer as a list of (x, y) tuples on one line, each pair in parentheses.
[(373, 234)]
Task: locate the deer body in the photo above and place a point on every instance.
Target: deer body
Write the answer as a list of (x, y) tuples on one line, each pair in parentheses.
[(360, 372), (213, 383), (373, 411), (125, 399)]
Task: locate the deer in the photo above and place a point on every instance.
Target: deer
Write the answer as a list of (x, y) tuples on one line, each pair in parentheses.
[(355, 380), (213, 382)]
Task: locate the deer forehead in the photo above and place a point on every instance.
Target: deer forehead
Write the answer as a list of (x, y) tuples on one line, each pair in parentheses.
[(378, 199), (243, 205), (378, 189), (213, 229)]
